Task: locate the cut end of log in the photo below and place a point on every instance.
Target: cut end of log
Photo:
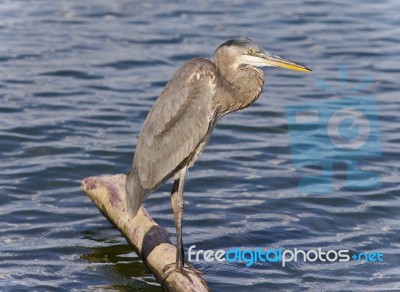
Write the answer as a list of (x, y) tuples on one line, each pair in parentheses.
[(149, 240)]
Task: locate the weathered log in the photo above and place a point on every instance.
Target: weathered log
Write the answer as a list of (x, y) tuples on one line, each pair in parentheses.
[(149, 240)]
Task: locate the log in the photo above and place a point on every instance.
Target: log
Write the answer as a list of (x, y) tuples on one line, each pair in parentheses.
[(148, 239)]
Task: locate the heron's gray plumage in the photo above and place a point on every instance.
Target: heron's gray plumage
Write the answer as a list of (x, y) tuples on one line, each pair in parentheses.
[(181, 120)]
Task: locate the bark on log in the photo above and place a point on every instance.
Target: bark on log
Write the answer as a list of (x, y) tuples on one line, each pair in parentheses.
[(149, 240)]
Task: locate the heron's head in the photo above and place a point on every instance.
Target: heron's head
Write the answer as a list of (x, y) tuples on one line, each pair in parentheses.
[(242, 51)]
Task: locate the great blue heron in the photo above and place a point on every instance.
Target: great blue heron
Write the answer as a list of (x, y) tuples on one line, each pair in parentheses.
[(183, 117)]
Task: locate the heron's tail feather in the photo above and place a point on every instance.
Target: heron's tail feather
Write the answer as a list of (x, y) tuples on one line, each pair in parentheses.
[(135, 194)]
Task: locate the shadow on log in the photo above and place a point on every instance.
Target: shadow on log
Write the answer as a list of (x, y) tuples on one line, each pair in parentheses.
[(149, 240)]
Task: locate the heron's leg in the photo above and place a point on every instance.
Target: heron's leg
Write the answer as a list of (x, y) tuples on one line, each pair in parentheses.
[(177, 206)]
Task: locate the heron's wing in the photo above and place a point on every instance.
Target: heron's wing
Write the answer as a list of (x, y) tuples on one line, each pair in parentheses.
[(177, 124)]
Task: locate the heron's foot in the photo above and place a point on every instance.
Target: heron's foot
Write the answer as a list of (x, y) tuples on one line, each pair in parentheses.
[(184, 270)]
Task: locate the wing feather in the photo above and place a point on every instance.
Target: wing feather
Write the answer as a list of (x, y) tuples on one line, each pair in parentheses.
[(176, 125)]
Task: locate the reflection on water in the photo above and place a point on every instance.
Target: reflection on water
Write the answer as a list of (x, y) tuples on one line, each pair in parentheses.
[(77, 80)]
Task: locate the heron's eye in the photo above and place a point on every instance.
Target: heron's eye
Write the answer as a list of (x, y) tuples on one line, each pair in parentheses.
[(250, 51)]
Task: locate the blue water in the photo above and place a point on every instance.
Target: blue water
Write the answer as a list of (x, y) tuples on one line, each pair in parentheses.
[(76, 82)]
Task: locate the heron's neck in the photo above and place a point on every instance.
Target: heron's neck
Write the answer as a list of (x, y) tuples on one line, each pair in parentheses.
[(239, 88)]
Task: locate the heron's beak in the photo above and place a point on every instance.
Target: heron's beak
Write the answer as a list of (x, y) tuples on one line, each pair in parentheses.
[(273, 60)]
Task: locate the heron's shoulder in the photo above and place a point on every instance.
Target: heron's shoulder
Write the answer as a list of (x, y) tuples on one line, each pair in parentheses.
[(201, 63), (198, 67)]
